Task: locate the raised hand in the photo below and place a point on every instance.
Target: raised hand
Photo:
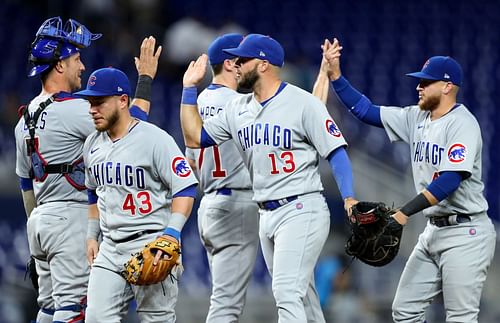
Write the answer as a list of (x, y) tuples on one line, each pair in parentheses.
[(195, 71), (331, 53), (147, 62)]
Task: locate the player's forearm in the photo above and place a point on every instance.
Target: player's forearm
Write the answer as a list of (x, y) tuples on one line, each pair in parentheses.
[(183, 205), (321, 86), (181, 209), (93, 227), (142, 97), (93, 211), (191, 122), (142, 104), (29, 201), (342, 170)]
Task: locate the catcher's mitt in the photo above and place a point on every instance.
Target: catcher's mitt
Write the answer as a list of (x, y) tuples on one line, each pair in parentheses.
[(139, 270), (375, 234)]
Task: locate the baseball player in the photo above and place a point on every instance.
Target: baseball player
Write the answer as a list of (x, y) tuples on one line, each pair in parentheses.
[(228, 219), (49, 140), (140, 186), (280, 131), (454, 252)]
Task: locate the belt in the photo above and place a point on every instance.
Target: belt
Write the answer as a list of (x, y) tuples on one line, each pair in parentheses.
[(274, 204), (223, 191), (134, 236), (445, 221)]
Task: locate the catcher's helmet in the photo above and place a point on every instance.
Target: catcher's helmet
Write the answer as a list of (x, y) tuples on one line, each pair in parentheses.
[(53, 43), (45, 52)]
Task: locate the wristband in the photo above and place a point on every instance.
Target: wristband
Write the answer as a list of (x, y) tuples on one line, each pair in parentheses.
[(175, 225), (143, 88), (189, 95), (419, 203), (173, 233), (93, 229)]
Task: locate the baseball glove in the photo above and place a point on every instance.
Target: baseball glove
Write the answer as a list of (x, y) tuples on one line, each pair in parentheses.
[(139, 270), (375, 236)]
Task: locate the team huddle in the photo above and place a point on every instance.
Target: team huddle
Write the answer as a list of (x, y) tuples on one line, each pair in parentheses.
[(99, 182)]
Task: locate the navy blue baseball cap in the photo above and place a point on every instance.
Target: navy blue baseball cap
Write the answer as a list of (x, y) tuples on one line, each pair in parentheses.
[(261, 47), (440, 68), (107, 81), (216, 55)]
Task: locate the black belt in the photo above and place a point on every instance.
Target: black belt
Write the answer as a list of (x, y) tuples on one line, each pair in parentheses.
[(274, 204), (445, 221), (134, 236)]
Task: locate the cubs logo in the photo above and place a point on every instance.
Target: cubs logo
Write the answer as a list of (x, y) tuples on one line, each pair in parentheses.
[(181, 167), (91, 81), (457, 153), (332, 128)]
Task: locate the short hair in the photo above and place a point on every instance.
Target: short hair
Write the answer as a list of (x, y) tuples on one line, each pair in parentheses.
[(217, 68)]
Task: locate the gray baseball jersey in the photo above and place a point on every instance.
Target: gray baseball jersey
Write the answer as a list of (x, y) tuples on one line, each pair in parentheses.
[(451, 259), (61, 131), (434, 152), (135, 178), (218, 166), (228, 219), (281, 142), (57, 226)]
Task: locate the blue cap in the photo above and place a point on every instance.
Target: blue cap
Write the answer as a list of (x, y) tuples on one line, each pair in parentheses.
[(215, 53), (440, 68), (106, 82), (261, 47)]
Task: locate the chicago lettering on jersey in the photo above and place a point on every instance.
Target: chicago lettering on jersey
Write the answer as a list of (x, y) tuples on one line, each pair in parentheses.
[(264, 134), (207, 112), (427, 152), (106, 173)]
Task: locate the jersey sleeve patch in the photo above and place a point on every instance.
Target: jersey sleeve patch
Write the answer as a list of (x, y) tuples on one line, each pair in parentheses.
[(457, 153), (332, 128), (180, 167)]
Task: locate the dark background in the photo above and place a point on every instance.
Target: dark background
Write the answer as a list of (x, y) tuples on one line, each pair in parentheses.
[(382, 41)]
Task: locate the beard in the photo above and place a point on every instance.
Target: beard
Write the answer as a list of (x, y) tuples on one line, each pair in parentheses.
[(109, 122), (430, 103), (247, 82)]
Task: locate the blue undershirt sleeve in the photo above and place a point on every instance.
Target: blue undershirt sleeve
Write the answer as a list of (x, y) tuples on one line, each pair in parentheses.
[(136, 112), (205, 139), (26, 184), (92, 197), (189, 191), (446, 183), (342, 170), (357, 103)]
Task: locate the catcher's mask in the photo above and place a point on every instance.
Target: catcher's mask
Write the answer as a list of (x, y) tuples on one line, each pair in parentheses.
[(54, 43)]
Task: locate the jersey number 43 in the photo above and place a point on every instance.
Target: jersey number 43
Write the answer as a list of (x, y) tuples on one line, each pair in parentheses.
[(143, 204)]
